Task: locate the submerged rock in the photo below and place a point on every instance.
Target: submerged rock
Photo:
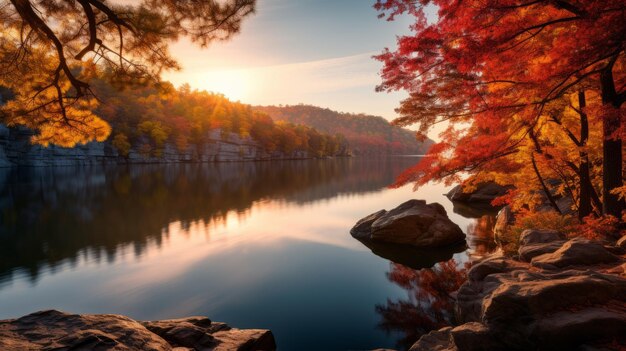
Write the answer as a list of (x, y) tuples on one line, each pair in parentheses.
[(411, 256), (413, 222), (47, 330)]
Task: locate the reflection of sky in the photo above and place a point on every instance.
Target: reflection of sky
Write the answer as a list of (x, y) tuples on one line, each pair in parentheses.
[(290, 267)]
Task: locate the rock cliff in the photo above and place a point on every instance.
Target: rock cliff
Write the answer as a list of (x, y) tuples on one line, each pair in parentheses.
[(17, 150)]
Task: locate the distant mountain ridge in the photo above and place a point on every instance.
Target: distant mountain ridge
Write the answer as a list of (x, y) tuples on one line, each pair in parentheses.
[(366, 134)]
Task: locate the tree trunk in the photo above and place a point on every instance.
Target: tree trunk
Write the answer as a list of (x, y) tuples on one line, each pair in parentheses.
[(545, 188), (611, 145), (584, 204)]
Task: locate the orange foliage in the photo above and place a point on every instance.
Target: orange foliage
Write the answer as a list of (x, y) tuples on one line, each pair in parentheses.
[(151, 116), (599, 228), (505, 78)]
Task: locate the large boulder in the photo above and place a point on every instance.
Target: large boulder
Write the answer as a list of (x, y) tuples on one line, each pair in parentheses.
[(528, 252), (48, 330), (482, 195), (414, 222), (575, 252), (537, 242), (539, 236), (363, 228)]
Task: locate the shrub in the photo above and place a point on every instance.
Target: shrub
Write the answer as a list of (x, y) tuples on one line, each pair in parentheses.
[(599, 228), (524, 220)]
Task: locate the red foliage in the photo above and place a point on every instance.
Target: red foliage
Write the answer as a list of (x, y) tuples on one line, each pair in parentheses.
[(598, 228), (489, 68), (429, 305)]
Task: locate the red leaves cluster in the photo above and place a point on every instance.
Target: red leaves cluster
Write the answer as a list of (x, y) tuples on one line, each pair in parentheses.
[(429, 305), (490, 68)]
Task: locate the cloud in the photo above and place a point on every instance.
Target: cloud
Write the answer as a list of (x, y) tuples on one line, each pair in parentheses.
[(286, 83)]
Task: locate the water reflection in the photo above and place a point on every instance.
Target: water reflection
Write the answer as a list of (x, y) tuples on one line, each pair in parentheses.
[(410, 256), (52, 215), (257, 245), (480, 236), (429, 304)]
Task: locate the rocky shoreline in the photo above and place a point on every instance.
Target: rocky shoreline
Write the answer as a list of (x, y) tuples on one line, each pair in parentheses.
[(555, 293), (558, 295), (17, 150), (54, 330)]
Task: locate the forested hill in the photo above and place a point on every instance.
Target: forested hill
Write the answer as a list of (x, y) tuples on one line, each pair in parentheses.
[(367, 135)]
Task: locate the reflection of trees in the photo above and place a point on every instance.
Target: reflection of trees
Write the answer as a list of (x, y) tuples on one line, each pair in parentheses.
[(429, 305), (480, 235), (52, 215)]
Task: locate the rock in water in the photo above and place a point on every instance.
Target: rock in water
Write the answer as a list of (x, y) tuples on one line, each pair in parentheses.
[(54, 330), (413, 222), (484, 193), (363, 228)]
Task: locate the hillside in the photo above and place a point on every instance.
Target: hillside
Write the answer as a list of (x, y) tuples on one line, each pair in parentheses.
[(366, 135), (149, 117)]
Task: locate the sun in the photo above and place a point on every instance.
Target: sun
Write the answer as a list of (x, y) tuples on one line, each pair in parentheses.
[(234, 84)]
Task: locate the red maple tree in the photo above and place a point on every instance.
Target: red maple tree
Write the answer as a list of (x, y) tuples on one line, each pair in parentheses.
[(492, 69)]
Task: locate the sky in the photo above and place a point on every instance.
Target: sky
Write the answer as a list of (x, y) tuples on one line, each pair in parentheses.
[(316, 52)]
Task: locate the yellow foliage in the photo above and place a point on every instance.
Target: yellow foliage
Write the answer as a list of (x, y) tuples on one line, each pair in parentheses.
[(65, 122), (121, 143)]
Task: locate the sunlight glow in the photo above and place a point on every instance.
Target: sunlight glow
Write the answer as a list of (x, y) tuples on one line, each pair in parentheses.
[(234, 84)]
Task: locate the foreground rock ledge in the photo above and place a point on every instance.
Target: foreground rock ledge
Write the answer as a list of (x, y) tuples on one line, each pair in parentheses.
[(414, 222), (560, 295), (54, 330)]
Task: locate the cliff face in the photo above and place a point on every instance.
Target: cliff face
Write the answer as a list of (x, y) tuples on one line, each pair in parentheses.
[(16, 150)]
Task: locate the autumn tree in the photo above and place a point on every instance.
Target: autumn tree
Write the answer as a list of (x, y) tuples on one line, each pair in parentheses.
[(49, 51), (496, 66)]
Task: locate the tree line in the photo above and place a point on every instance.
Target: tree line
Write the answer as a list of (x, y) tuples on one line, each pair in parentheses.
[(147, 117), (366, 134)]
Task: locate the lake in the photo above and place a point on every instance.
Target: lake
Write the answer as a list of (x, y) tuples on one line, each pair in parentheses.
[(255, 245)]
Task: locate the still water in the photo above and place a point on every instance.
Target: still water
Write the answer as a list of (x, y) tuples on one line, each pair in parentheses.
[(256, 245)]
